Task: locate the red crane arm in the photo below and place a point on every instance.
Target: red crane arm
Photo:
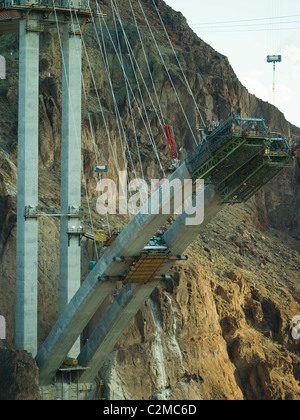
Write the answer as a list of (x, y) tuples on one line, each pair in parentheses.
[(171, 142)]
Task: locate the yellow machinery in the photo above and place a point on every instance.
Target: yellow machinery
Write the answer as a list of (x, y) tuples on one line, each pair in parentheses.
[(70, 362), (114, 235), (100, 235)]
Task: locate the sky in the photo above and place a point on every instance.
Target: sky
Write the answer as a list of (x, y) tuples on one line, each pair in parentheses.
[(260, 28)]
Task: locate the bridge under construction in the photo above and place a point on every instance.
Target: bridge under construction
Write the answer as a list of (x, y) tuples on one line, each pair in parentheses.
[(235, 160)]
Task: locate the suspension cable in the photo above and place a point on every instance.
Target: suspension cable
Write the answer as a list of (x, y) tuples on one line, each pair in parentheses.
[(133, 64), (177, 59), (129, 101), (102, 114), (132, 93), (147, 62), (167, 71), (160, 118), (118, 116), (96, 149)]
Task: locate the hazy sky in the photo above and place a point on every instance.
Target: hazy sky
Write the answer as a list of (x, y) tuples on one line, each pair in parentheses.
[(257, 31)]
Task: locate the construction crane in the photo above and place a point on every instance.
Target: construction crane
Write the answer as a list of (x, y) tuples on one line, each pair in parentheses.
[(274, 59), (175, 161)]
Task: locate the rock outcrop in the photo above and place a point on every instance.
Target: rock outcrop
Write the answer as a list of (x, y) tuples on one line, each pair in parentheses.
[(19, 378)]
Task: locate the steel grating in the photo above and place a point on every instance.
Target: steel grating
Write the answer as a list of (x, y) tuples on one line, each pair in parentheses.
[(147, 268)]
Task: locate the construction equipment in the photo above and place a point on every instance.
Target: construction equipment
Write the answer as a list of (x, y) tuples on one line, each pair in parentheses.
[(240, 157), (70, 362), (155, 255), (175, 161), (274, 59), (100, 235), (115, 233), (156, 244), (101, 169), (92, 265)]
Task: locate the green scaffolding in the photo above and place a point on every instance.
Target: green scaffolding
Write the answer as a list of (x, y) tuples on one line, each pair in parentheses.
[(239, 163), (246, 182)]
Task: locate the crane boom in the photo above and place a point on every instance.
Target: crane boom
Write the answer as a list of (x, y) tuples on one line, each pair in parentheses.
[(175, 160), (171, 142)]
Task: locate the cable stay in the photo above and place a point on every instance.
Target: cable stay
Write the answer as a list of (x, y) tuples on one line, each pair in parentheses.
[(180, 66), (133, 64), (147, 126), (95, 147), (147, 62), (72, 111), (129, 102), (168, 73)]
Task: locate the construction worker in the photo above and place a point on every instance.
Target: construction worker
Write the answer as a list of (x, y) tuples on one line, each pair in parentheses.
[(294, 150), (209, 126)]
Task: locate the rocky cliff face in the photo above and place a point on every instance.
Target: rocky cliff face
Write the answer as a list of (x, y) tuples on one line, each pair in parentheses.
[(18, 375), (221, 328)]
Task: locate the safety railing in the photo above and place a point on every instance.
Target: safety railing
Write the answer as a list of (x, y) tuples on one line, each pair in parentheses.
[(32, 212)]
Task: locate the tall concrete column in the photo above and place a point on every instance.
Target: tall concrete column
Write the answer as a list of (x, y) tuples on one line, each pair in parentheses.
[(27, 229), (70, 275)]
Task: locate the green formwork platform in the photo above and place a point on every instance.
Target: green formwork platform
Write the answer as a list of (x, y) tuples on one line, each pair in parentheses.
[(234, 161), (224, 152), (247, 181), (240, 163)]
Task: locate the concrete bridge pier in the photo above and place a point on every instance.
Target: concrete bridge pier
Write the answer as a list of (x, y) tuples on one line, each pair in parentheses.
[(70, 250), (27, 228)]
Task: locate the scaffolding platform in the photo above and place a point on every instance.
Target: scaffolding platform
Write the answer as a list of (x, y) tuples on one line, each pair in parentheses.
[(246, 182), (12, 12), (147, 268), (240, 150), (32, 212)]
